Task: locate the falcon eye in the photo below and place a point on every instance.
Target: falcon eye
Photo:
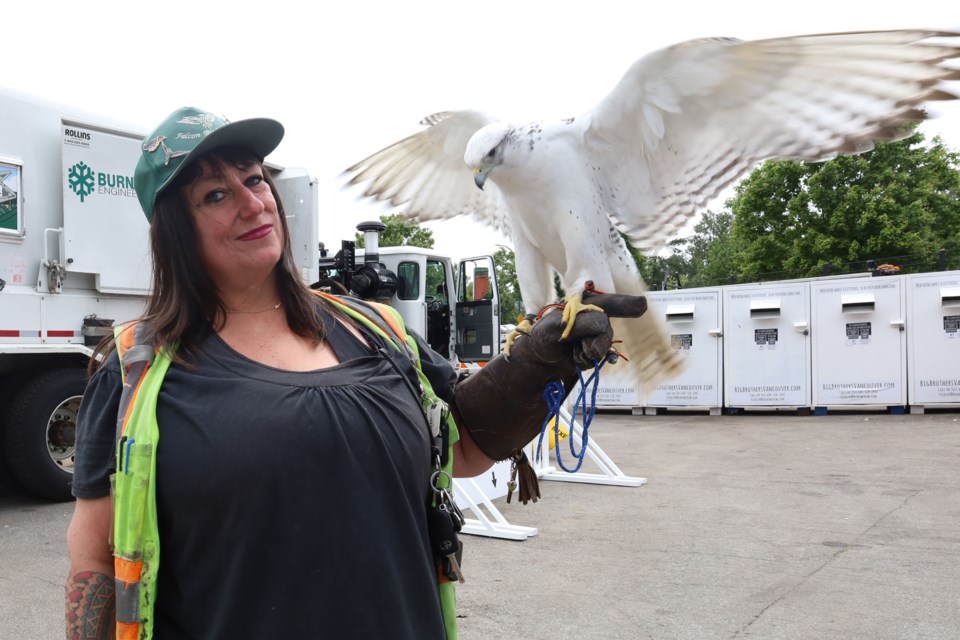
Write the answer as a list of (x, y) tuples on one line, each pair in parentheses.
[(492, 152)]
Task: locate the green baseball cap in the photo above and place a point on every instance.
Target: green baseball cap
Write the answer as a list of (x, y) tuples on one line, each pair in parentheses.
[(185, 135)]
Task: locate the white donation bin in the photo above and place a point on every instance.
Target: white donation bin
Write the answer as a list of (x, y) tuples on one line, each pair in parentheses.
[(933, 340), (616, 389), (859, 343), (694, 320), (766, 346)]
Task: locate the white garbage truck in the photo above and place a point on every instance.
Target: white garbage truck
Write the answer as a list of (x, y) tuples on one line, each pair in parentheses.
[(74, 261)]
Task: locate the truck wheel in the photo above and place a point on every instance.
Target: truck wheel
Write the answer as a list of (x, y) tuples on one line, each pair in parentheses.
[(40, 434)]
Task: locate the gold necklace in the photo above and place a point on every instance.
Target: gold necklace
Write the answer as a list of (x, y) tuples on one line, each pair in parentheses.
[(273, 308)]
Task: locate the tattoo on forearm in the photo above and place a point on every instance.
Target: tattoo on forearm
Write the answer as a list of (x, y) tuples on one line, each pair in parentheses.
[(91, 606)]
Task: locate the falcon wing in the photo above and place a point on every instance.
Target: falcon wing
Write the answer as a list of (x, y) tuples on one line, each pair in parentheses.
[(689, 120), (426, 172)]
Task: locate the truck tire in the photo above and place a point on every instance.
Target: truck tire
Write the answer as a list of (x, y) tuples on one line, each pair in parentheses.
[(40, 434)]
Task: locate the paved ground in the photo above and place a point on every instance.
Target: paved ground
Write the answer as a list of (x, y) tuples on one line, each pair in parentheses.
[(764, 527)]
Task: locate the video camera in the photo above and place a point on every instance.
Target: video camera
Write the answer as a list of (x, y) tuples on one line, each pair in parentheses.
[(342, 274)]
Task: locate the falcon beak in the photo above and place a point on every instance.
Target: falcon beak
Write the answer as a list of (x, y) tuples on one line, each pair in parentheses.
[(479, 177)]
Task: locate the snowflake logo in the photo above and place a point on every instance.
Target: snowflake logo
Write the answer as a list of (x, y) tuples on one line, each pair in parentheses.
[(80, 180)]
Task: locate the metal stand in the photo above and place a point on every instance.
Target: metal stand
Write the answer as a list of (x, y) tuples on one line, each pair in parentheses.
[(476, 496), (611, 473), (469, 495)]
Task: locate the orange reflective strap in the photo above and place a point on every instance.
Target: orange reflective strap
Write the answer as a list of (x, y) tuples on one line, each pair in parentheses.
[(127, 594), (127, 337), (127, 570), (126, 342), (328, 296), (389, 318), (383, 311), (127, 631), (132, 404)]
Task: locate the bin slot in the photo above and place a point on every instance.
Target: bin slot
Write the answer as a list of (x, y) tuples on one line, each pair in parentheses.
[(680, 312), (858, 303), (950, 296), (769, 308)]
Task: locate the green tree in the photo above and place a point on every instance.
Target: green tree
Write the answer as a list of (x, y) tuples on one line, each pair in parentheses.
[(899, 203), (400, 231), (511, 304), (712, 251), (662, 272)]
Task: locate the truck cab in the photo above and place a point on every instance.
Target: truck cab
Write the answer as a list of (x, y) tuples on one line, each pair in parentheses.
[(454, 306)]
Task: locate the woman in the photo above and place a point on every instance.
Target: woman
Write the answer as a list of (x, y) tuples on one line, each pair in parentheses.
[(292, 470)]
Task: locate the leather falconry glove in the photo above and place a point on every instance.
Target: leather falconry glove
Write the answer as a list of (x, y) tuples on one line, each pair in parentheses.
[(502, 405)]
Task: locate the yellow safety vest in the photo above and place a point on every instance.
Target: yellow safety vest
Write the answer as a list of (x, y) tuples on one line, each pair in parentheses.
[(136, 536)]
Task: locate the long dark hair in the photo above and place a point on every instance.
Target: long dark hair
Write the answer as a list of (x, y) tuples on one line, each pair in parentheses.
[(185, 303)]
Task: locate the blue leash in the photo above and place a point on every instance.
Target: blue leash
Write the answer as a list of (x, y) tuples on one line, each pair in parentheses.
[(554, 396)]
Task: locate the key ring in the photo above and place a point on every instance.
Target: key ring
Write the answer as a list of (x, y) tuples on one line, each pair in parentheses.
[(433, 481)]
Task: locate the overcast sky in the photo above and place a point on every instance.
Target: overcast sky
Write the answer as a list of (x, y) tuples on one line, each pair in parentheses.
[(351, 77)]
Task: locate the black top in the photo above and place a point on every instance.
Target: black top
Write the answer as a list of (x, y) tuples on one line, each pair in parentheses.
[(290, 504)]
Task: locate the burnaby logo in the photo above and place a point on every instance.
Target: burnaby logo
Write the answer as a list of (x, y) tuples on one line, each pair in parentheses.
[(84, 181), (80, 180)]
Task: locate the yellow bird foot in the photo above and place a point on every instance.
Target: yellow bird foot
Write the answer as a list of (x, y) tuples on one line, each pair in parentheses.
[(574, 305), (520, 330)]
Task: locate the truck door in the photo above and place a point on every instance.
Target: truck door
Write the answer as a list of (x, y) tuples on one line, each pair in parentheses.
[(477, 310), (409, 298), (438, 302)]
